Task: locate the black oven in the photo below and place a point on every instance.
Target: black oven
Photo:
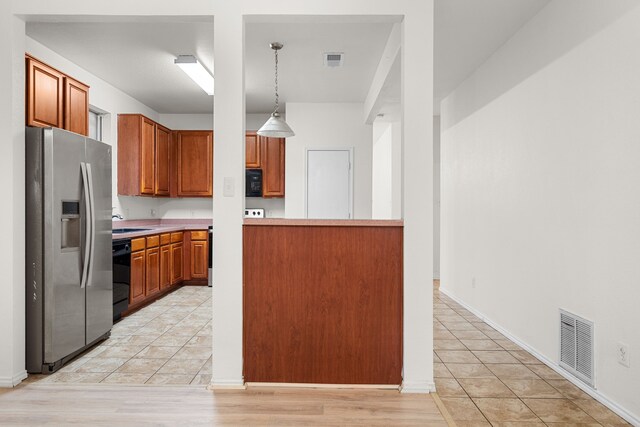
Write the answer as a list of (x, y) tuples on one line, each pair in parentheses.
[(253, 183), (121, 254)]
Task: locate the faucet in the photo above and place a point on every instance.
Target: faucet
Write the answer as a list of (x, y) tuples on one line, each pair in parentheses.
[(117, 216)]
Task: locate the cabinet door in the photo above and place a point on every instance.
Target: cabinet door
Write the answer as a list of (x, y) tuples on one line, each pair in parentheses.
[(195, 163), (45, 94), (199, 259), (163, 138), (76, 106), (152, 272), (176, 263), (272, 166), (165, 266), (252, 151), (136, 291), (147, 156)]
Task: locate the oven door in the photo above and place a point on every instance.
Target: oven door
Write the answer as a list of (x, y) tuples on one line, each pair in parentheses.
[(253, 183), (121, 254)]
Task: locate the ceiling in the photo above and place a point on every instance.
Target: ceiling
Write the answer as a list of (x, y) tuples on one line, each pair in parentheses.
[(468, 32), (136, 56), (302, 74)]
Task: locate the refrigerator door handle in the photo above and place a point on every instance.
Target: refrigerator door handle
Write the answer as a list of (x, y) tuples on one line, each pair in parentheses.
[(92, 206), (87, 231)]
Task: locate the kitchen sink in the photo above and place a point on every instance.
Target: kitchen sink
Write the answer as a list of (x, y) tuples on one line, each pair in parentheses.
[(128, 230)]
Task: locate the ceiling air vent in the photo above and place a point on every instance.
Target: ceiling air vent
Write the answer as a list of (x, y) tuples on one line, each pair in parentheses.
[(576, 346), (333, 59)]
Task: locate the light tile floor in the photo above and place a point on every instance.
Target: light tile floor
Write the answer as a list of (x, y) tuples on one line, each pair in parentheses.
[(167, 342), (484, 379)]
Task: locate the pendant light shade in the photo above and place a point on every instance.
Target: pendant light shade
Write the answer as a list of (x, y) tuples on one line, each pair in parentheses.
[(276, 127)]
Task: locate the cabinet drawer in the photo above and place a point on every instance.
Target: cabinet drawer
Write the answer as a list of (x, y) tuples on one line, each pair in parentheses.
[(153, 241), (137, 244), (176, 237), (198, 235), (165, 239)]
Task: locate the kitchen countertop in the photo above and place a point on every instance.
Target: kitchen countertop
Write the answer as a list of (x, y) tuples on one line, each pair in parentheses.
[(326, 222), (158, 226)]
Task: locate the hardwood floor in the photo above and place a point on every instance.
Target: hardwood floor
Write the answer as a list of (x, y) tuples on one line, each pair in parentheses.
[(100, 404)]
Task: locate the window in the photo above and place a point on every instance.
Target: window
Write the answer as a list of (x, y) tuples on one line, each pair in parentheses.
[(95, 125)]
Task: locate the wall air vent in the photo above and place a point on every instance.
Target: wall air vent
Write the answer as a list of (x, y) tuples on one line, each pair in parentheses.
[(333, 59), (576, 347)]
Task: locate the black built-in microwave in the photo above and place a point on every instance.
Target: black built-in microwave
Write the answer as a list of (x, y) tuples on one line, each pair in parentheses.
[(253, 182)]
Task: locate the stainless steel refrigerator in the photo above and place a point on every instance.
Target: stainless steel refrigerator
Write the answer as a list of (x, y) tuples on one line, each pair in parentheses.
[(68, 246)]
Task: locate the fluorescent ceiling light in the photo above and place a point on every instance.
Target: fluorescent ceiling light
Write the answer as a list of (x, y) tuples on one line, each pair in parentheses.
[(194, 69)]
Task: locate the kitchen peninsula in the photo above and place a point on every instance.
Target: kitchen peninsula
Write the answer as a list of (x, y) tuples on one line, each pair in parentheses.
[(323, 301)]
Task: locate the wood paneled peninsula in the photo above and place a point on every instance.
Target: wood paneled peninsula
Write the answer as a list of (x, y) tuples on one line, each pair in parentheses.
[(322, 301)]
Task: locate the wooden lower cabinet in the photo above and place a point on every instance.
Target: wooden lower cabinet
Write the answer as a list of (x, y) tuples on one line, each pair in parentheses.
[(199, 259), (176, 263), (159, 262), (153, 272), (136, 292), (165, 266)]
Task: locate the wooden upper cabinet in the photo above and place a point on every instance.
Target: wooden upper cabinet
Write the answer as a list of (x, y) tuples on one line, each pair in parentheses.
[(147, 156), (195, 163), (163, 147), (144, 152), (76, 106), (55, 99), (45, 95), (273, 154), (252, 150)]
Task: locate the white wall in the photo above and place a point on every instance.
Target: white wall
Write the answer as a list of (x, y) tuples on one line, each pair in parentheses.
[(386, 186), (436, 197), (187, 121), (381, 202), (540, 199), (327, 126)]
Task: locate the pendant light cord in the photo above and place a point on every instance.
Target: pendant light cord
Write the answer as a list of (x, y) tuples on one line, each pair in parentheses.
[(277, 96)]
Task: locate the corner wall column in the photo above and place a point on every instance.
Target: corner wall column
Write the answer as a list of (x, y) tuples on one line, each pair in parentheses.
[(228, 209), (417, 198), (12, 214)]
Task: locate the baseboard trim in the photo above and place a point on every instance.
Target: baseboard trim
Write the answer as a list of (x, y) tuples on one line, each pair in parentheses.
[(227, 386), (417, 387), (9, 382), (622, 412)]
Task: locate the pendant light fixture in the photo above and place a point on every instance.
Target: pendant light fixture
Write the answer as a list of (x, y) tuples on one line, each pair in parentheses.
[(276, 127)]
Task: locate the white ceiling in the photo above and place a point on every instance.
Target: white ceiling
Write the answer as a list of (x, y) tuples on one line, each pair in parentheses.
[(468, 32), (302, 74), (136, 55)]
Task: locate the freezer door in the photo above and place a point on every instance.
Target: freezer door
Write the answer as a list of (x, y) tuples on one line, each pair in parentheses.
[(64, 217), (100, 277)]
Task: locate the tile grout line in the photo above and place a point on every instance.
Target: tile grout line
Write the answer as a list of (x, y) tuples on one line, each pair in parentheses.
[(545, 380), (501, 381)]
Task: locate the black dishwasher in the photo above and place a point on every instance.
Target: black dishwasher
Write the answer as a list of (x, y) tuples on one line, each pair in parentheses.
[(121, 250)]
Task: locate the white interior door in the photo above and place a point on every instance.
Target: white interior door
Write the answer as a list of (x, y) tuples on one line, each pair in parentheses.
[(329, 194)]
